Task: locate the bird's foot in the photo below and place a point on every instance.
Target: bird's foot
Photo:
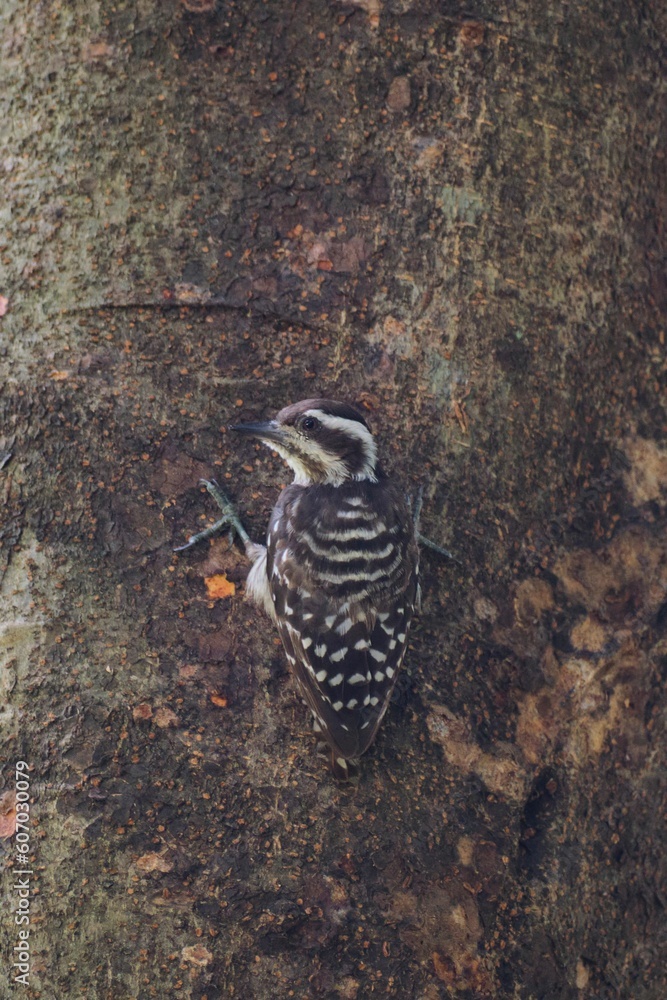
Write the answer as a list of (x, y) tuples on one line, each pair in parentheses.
[(230, 520), (427, 543), (422, 539)]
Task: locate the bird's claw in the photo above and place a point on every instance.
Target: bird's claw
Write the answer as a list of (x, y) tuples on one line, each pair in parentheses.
[(422, 539), (229, 519), (434, 547)]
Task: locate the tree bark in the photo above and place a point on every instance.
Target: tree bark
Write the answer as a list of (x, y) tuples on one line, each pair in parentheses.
[(453, 216)]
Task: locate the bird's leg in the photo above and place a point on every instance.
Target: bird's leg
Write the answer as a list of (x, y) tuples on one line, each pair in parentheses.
[(422, 539), (230, 519)]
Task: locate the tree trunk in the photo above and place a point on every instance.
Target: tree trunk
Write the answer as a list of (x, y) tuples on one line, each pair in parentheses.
[(452, 216)]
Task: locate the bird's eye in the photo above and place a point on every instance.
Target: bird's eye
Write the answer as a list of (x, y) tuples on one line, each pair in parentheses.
[(309, 423)]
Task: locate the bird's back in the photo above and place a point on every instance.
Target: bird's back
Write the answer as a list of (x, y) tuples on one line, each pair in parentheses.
[(342, 568)]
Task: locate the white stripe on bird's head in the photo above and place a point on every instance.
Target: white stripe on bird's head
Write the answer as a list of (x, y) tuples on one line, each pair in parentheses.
[(355, 431), (323, 447)]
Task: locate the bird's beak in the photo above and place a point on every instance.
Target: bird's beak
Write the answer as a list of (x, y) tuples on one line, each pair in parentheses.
[(269, 431)]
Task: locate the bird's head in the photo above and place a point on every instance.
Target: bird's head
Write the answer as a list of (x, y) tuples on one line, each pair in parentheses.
[(321, 440)]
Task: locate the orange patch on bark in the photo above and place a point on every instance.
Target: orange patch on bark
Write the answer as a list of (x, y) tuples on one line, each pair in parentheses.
[(219, 586)]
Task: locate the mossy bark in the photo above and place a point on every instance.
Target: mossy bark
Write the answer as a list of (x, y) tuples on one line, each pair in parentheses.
[(452, 216)]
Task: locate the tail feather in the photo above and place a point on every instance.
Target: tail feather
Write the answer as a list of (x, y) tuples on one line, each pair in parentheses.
[(343, 769)]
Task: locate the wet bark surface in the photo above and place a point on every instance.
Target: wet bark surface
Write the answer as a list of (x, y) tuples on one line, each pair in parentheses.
[(452, 216)]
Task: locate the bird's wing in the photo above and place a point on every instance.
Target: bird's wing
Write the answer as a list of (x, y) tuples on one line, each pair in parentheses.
[(347, 678), (344, 652)]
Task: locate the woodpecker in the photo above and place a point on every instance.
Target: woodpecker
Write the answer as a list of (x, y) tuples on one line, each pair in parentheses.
[(339, 571)]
